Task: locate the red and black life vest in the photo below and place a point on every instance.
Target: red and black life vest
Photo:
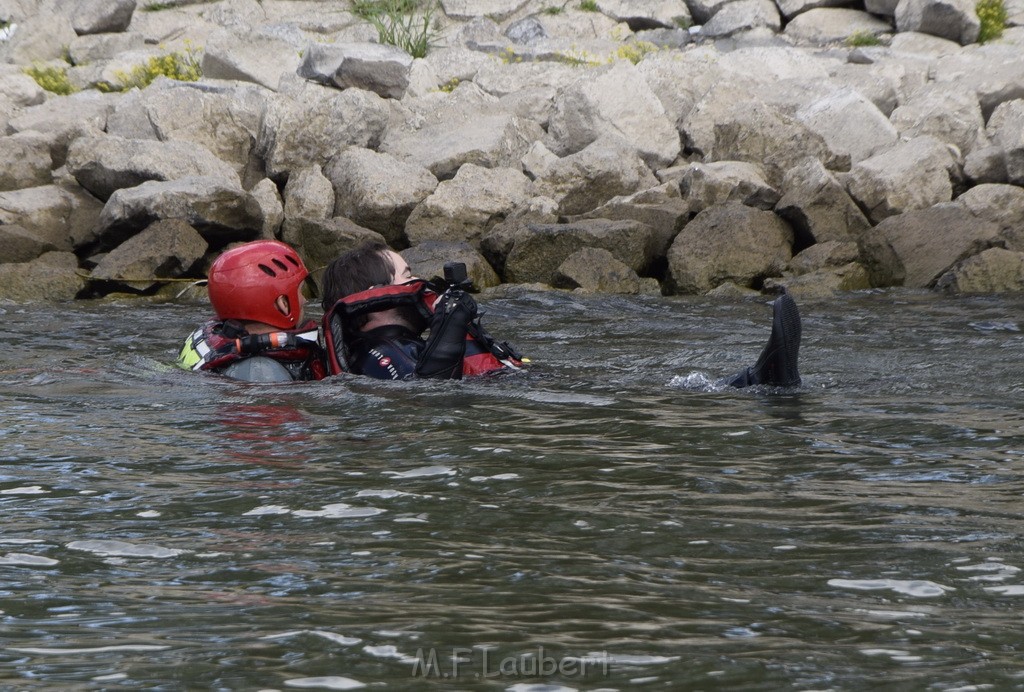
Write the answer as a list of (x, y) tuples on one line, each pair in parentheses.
[(217, 344)]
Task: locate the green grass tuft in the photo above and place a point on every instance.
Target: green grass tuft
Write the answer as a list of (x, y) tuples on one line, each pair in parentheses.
[(862, 38), (182, 66), (992, 14), (52, 79), (406, 24), (553, 10), (589, 6)]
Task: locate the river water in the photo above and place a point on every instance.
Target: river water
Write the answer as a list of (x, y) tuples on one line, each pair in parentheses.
[(608, 521)]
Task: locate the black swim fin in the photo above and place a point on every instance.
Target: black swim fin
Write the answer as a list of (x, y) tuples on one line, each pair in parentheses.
[(777, 365)]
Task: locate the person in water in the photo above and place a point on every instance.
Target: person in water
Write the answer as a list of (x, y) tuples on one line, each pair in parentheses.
[(258, 333), (375, 312)]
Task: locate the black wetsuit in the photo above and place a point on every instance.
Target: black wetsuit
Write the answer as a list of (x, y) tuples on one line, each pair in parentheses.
[(391, 352)]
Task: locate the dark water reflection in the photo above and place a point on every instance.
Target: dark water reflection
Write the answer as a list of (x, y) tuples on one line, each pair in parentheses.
[(608, 513)]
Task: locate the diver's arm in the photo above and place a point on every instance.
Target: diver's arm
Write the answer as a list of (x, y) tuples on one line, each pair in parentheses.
[(446, 346)]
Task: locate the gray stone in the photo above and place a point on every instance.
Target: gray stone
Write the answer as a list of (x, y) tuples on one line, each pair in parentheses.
[(995, 270), (1002, 205), (818, 207), (428, 260), (912, 175), (986, 165), (1006, 128), (613, 101), (309, 194), (222, 212), (500, 79), (104, 164), (467, 206), (710, 184), (526, 30), (498, 10), (52, 277), (271, 205), (21, 245), (538, 161), (316, 123), (731, 243), (825, 25), (320, 241), (93, 48), (792, 8), (884, 84), (249, 57), (21, 90), (703, 10), (831, 253), (661, 208), (995, 72), (647, 14), (378, 191), (102, 16), (850, 124), (945, 113), (742, 15), (952, 19), (456, 64), (884, 8), (42, 35), (382, 69), (822, 283), (596, 270), (65, 119), (166, 249), (62, 216), (535, 251), (25, 161), (669, 39), (915, 248), (585, 180)]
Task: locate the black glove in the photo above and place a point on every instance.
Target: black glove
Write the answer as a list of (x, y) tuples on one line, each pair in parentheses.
[(446, 345)]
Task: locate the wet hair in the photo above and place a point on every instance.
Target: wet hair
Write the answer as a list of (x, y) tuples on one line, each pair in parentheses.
[(355, 271)]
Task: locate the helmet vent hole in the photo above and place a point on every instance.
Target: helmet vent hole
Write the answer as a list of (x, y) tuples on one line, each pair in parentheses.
[(280, 265), (267, 270), (292, 260)]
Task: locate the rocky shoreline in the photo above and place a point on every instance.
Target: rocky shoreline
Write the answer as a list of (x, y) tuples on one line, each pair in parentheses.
[(619, 146)]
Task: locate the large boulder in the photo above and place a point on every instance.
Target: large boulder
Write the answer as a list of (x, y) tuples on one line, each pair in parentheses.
[(915, 248), (61, 216), (1002, 205), (532, 253), (499, 10), (428, 260), (65, 119), (995, 270), (587, 179), (251, 56), (822, 283), (1006, 128), (102, 16), (378, 191), (375, 67), (986, 165), (944, 112), (995, 72), (466, 126), (662, 208), (598, 271), (222, 117), (647, 14), (268, 198), (818, 207), (97, 48), (710, 184), (730, 243), (166, 249), (54, 276), (21, 245), (952, 19), (320, 241), (467, 206), (308, 193), (824, 25), (912, 175), (616, 101), (850, 124), (43, 34), (25, 161), (20, 90), (793, 8), (219, 209), (103, 164), (312, 124), (742, 15)]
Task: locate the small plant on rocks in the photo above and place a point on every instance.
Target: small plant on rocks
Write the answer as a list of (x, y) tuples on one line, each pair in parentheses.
[(589, 6), (405, 24), (52, 79), (992, 14), (862, 38), (183, 66)]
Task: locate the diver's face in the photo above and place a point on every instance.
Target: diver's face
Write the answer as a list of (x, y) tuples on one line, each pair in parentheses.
[(402, 271)]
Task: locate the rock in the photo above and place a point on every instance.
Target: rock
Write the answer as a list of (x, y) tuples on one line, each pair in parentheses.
[(596, 270), (792, 8), (648, 14), (986, 165), (102, 16), (24, 161), (945, 113), (466, 126), (498, 10), (884, 8), (381, 69), (850, 124), (912, 175), (221, 211), (884, 84), (733, 243), (21, 245), (661, 208), (467, 206), (104, 164), (428, 259), (710, 184), (538, 161), (703, 10), (456, 64), (315, 123), (914, 248), (57, 215), (729, 125), (308, 194), (952, 19), (994, 72), (833, 25), (54, 276), (504, 79), (822, 283), (21, 90), (672, 78), (320, 241), (249, 57), (818, 207), (271, 205), (742, 15), (832, 253), (166, 249), (1006, 128), (535, 251), (378, 191), (43, 34), (223, 118), (613, 101), (65, 119), (670, 39), (583, 181), (1002, 205), (526, 31), (94, 48), (995, 270)]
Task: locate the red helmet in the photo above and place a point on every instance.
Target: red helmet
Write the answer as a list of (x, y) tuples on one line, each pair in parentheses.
[(245, 283)]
